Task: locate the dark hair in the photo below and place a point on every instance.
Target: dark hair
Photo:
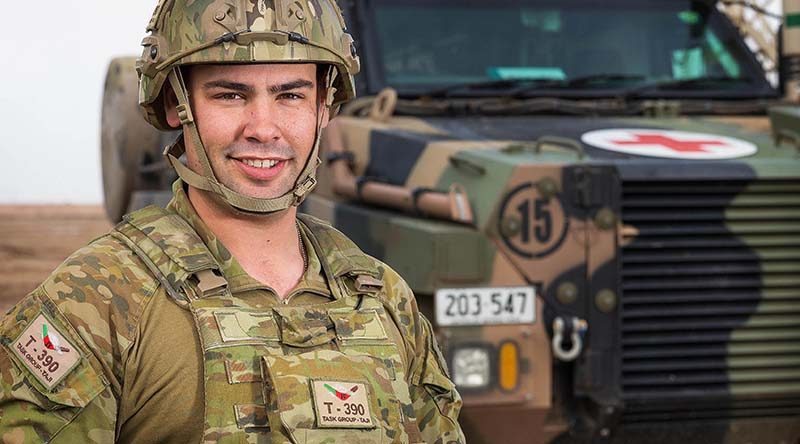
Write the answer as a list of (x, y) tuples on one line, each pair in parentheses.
[(322, 71)]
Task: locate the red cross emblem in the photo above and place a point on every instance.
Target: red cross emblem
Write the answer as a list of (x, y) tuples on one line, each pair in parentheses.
[(683, 146), (668, 144)]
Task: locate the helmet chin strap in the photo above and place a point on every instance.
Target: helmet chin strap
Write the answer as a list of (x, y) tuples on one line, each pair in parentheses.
[(207, 181)]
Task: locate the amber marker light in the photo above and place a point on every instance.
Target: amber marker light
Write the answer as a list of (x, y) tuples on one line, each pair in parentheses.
[(509, 366)]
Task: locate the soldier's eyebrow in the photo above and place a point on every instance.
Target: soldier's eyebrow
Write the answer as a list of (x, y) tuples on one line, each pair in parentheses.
[(225, 84), (288, 86)]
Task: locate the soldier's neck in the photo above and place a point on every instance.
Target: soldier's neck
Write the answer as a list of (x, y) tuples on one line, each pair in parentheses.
[(266, 246)]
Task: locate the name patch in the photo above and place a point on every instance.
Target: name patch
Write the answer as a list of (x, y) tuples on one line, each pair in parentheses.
[(342, 404), (46, 352)]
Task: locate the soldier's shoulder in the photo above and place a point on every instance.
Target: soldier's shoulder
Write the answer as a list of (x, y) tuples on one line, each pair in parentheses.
[(395, 285), (106, 269), (398, 296), (102, 288), (93, 301)]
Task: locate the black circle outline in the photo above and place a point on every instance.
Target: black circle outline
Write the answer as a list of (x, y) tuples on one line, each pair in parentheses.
[(506, 239)]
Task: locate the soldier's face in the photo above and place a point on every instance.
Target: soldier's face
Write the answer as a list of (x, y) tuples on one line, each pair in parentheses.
[(257, 123)]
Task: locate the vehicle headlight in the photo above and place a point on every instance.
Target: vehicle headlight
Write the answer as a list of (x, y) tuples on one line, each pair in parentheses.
[(471, 367)]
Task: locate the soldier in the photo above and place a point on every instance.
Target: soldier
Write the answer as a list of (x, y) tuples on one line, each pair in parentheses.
[(228, 317)]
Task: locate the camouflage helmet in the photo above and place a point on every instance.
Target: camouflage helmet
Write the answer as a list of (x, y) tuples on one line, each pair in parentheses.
[(190, 32), (186, 32)]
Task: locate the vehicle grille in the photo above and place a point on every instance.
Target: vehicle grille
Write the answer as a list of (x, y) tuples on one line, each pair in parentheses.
[(711, 299)]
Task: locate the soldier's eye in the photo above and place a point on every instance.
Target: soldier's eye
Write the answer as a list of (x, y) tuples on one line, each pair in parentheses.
[(290, 96), (229, 96)]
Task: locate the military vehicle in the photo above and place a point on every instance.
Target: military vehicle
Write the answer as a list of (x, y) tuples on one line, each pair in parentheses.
[(597, 203)]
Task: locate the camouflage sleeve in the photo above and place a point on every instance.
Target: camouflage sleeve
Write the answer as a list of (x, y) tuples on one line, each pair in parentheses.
[(62, 347), (435, 398), (436, 401)]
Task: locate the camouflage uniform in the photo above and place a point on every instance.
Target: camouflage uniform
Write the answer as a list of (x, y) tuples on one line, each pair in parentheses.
[(160, 327)]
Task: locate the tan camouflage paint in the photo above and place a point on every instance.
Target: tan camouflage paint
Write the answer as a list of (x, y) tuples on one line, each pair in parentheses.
[(537, 391), (429, 166), (356, 135), (533, 395), (571, 252), (427, 171), (503, 271)]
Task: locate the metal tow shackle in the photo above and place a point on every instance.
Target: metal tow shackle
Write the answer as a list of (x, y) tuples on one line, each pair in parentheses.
[(579, 328)]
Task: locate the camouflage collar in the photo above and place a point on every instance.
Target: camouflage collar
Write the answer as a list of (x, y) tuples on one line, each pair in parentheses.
[(238, 279)]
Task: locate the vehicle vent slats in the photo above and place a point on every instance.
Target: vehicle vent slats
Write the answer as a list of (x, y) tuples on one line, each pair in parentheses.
[(771, 408), (710, 305), (717, 241), (719, 281), (708, 363), (738, 228), (712, 391), (710, 377), (701, 215), (678, 351), (732, 269), (727, 322), (692, 337), (707, 255), (704, 310), (705, 201), (676, 297)]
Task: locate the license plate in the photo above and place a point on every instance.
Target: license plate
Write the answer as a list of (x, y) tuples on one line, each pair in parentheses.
[(482, 306)]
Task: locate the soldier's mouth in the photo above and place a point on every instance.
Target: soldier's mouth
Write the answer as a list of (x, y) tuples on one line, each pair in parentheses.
[(261, 169), (266, 163)]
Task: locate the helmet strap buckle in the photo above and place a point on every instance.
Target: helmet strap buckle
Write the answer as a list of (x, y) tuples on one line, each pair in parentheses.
[(185, 114), (303, 189)]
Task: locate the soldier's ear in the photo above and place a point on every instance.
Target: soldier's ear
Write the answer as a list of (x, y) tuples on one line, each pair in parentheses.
[(171, 107), (326, 114), (322, 93)]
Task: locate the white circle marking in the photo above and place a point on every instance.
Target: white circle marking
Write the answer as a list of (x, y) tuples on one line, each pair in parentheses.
[(669, 144)]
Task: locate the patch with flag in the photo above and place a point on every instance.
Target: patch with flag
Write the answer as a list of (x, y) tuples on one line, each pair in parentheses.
[(669, 144), (45, 351), (342, 404)]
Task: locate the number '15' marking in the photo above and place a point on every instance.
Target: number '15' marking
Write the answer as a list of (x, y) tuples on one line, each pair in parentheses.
[(543, 230)]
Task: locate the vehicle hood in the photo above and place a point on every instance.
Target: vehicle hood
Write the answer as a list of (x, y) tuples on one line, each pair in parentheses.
[(404, 150)]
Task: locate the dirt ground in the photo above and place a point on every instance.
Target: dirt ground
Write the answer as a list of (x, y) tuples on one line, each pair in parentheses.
[(34, 239)]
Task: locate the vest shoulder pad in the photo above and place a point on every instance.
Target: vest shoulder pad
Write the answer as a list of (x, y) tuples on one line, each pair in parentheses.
[(167, 244)]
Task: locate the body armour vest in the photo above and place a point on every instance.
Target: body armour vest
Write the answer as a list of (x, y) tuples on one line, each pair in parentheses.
[(325, 373)]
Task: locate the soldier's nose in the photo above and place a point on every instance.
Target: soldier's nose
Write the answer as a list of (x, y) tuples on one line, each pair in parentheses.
[(260, 125)]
